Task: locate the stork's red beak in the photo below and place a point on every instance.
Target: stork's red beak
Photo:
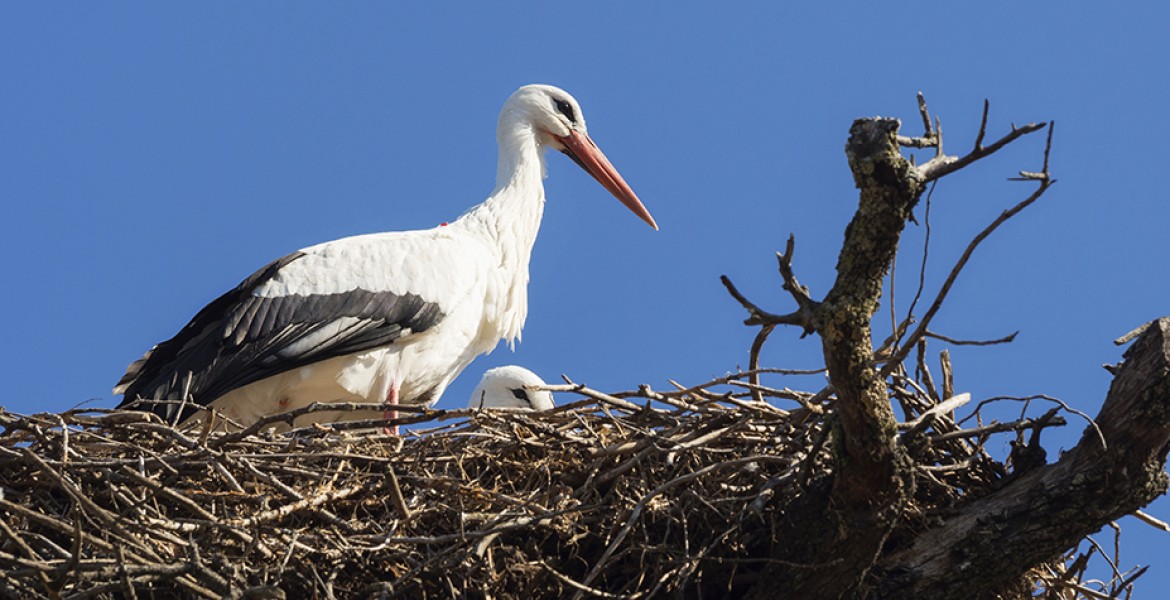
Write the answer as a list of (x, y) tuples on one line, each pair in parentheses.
[(585, 153)]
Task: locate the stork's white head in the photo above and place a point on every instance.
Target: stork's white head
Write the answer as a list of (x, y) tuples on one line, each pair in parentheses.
[(550, 111), (555, 119), (503, 387)]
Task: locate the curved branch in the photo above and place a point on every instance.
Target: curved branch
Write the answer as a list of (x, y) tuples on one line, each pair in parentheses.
[(759, 316), (921, 330), (944, 165)]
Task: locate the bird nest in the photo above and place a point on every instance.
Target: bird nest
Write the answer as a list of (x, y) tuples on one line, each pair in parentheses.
[(628, 495)]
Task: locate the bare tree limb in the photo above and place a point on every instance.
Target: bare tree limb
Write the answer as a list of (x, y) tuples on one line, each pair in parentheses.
[(759, 316), (944, 165)]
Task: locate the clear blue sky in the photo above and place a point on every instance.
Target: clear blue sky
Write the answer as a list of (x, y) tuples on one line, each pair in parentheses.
[(153, 155)]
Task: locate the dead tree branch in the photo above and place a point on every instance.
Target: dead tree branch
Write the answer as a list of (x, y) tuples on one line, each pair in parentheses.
[(872, 477)]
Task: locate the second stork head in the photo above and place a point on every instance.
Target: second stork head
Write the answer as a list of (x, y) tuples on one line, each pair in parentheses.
[(507, 387)]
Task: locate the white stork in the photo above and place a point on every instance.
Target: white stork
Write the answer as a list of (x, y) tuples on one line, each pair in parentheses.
[(505, 387), (385, 317)]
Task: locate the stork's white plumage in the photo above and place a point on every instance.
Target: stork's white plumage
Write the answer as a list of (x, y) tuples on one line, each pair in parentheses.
[(386, 317), (508, 387)]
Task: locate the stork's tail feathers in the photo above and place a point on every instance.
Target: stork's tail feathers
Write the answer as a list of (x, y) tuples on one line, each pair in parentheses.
[(131, 375)]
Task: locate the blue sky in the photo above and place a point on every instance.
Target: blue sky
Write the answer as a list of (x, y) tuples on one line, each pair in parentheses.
[(154, 155)]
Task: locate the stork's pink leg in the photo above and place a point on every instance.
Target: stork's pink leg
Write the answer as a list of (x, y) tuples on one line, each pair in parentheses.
[(391, 412)]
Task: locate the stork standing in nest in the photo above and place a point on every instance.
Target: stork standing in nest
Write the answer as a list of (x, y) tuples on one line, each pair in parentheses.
[(387, 317)]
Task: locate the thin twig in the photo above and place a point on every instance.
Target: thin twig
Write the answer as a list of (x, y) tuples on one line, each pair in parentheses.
[(1007, 339), (1151, 520), (1019, 425), (921, 329), (1062, 403)]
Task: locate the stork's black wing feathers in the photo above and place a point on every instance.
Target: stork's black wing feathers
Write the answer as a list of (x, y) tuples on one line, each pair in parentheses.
[(240, 338)]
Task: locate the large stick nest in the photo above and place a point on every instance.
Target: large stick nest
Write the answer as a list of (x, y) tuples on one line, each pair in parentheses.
[(676, 492)]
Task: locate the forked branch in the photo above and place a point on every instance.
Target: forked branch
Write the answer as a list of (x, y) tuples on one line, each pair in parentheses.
[(943, 165), (1046, 181)]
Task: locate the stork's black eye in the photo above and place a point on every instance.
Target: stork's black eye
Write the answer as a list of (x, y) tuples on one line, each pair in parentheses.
[(566, 109), (520, 394)]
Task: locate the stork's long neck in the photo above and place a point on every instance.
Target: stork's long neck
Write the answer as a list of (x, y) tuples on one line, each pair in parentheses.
[(510, 219), (517, 203)]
